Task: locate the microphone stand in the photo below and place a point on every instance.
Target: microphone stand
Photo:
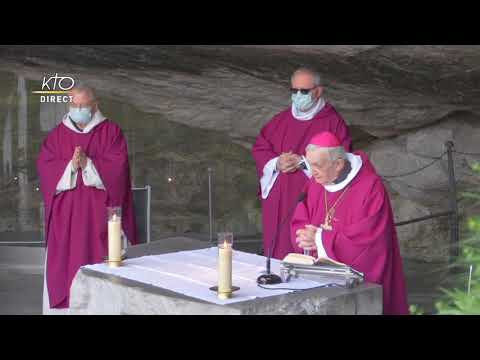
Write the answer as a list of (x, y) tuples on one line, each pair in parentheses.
[(269, 278)]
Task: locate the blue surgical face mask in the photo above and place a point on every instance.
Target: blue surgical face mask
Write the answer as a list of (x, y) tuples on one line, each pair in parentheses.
[(80, 116), (302, 102)]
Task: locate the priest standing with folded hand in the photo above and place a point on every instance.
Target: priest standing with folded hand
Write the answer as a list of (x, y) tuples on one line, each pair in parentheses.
[(83, 167), (278, 152), (347, 217)]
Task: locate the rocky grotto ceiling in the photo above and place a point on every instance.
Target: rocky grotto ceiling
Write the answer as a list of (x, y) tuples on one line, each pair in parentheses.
[(402, 102)]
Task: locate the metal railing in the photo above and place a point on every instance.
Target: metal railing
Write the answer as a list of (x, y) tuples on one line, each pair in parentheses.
[(210, 205), (452, 212), (146, 207)]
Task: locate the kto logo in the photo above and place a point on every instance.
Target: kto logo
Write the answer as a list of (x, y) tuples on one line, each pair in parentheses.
[(54, 87)]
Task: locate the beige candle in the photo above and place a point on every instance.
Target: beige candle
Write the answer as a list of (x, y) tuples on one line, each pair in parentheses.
[(225, 268), (114, 238)]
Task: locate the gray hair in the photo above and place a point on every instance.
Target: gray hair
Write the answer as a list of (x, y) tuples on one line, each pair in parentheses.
[(333, 153), (84, 88), (317, 80)]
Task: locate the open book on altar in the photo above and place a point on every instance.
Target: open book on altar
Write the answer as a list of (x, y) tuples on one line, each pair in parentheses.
[(323, 268), (300, 259)]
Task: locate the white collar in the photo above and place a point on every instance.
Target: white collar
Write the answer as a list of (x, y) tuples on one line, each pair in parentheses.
[(308, 115), (96, 119), (356, 163)]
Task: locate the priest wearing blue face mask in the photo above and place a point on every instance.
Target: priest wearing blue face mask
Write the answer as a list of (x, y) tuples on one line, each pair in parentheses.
[(279, 153), (83, 167)]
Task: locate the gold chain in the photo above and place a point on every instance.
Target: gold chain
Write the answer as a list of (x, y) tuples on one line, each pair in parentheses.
[(328, 211)]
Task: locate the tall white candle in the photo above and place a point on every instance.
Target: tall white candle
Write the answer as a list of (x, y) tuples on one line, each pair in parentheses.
[(225, 268), (114, 238)]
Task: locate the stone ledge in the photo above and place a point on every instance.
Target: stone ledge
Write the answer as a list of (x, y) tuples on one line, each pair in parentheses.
[(97, 293)]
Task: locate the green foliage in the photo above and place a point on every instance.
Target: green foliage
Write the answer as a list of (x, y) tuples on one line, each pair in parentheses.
[(415, 310), (459, 301)]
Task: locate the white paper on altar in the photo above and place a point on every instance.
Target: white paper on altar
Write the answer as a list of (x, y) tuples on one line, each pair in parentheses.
[(192, 273)]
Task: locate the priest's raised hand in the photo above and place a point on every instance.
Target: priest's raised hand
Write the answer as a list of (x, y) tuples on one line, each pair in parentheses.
[(288, 162), (82, 158), (76, 158), (79, 159), (305, 237)]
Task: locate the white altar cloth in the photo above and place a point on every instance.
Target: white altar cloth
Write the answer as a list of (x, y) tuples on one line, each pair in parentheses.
[(192, 273)]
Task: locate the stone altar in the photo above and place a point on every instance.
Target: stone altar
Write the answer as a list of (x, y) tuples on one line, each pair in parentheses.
[(95, 292)]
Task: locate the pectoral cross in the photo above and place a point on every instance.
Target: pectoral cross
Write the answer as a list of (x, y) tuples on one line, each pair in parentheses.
[(329, 213), (327, 224)]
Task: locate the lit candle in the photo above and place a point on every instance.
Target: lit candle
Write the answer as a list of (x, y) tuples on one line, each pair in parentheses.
[(225, 268), (114, 238)]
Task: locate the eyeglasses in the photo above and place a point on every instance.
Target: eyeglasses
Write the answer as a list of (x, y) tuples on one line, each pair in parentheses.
[(303, 91)]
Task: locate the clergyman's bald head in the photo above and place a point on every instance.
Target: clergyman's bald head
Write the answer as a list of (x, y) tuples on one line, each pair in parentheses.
[(306, 72), (83, 95)]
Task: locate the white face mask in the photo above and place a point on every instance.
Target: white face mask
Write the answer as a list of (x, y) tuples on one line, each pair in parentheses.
[(303, 102), (80, 116)]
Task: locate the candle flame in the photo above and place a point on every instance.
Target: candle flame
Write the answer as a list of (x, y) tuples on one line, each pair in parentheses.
[(225, 244)]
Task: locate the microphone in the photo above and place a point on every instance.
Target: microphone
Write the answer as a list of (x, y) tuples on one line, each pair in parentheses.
[(268, 278)]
